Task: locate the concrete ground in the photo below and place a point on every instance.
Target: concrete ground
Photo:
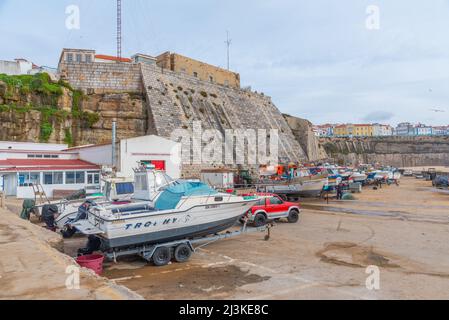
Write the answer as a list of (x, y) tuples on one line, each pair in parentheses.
[(31, 267), (402, 230)]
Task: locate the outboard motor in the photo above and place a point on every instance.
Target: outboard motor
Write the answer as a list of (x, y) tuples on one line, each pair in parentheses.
[(48, 216), (82, 215), (93, 244)]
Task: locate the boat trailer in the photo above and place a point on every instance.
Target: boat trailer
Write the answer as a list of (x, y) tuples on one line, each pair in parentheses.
[(181, 250)]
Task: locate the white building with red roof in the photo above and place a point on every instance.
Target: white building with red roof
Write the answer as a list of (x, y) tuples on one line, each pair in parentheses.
[(48, 165)]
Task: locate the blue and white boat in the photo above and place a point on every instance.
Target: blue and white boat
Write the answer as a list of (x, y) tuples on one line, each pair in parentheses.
[(164, 210)]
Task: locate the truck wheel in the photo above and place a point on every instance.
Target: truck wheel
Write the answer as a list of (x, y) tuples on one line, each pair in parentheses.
[(182, 253), (162, 256), (260, 220), (293, 216)]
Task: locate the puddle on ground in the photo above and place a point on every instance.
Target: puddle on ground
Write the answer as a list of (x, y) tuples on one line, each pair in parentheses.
[(183, 281), (351, 255), (355, 256)]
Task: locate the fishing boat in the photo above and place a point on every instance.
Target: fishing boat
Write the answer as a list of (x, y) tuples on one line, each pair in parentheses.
[(359, 177), (297, 187), (118, 190), (168, 210)]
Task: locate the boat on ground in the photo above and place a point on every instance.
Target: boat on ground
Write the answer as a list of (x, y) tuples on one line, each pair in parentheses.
[(115, 190), (168, 211), (359, 177), (297, 187)]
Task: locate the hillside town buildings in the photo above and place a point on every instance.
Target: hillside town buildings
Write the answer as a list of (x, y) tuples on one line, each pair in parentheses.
[(379, 130)]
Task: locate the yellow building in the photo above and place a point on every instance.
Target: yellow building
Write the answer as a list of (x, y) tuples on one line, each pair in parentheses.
[(198, 69), (355, 130), (363, 130), (341, 130)]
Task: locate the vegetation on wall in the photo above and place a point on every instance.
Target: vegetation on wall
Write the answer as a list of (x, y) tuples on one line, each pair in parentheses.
[(16, 99)]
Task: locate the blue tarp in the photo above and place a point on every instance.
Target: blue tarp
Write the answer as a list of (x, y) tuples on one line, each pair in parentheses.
[(171, 196)]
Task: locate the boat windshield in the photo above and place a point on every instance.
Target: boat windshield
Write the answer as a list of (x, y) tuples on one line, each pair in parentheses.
[(172, 195)]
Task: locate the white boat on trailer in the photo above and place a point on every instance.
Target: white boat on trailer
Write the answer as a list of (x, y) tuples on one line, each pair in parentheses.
[(115, 190), (169, 211)]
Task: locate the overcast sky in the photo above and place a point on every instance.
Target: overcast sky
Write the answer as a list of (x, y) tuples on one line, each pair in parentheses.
[(316, 58)]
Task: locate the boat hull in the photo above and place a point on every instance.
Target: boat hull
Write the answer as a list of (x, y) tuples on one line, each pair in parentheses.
[(306, 189), (162, 236)]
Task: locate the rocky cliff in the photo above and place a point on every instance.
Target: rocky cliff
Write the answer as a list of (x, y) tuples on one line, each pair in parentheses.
[(395, 151), (302, 130), (33, 108)]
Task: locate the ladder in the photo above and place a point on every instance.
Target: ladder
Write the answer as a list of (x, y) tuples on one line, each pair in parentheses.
[(40, 196)]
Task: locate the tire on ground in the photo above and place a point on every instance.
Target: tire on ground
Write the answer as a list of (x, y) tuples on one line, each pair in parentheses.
[(293, 216), (182, 253), (162, 256), (260, 220)]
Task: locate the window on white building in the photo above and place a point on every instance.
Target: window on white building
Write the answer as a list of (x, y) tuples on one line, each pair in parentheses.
[(93, 177), (80, 177), (27, 178), (70, 178), (53, 178)]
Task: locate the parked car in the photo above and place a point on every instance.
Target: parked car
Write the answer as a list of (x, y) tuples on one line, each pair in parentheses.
[(272, 207)]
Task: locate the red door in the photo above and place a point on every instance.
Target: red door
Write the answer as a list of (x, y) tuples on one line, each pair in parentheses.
[(158, 165), (276, 206)]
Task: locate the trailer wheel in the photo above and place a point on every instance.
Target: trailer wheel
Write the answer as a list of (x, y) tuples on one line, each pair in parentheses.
[(182, 253), (162, 256), (260, 220), (293, 216)]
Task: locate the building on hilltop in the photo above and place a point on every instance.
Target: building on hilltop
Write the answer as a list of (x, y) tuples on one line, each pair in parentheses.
[(77, 55), (324, 130), (110, 59), (144, 58), (382, 130), (203, 71), (17, 67), (423, 130), (440, 131)]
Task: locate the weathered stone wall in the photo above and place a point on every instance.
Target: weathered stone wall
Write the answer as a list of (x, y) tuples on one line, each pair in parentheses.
[(127, 109), (302, 130), (125, 77), (181, 64), (395, 151), (175, 101)]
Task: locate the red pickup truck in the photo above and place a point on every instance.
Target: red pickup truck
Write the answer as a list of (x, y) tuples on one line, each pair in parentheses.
[(272, 207)]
